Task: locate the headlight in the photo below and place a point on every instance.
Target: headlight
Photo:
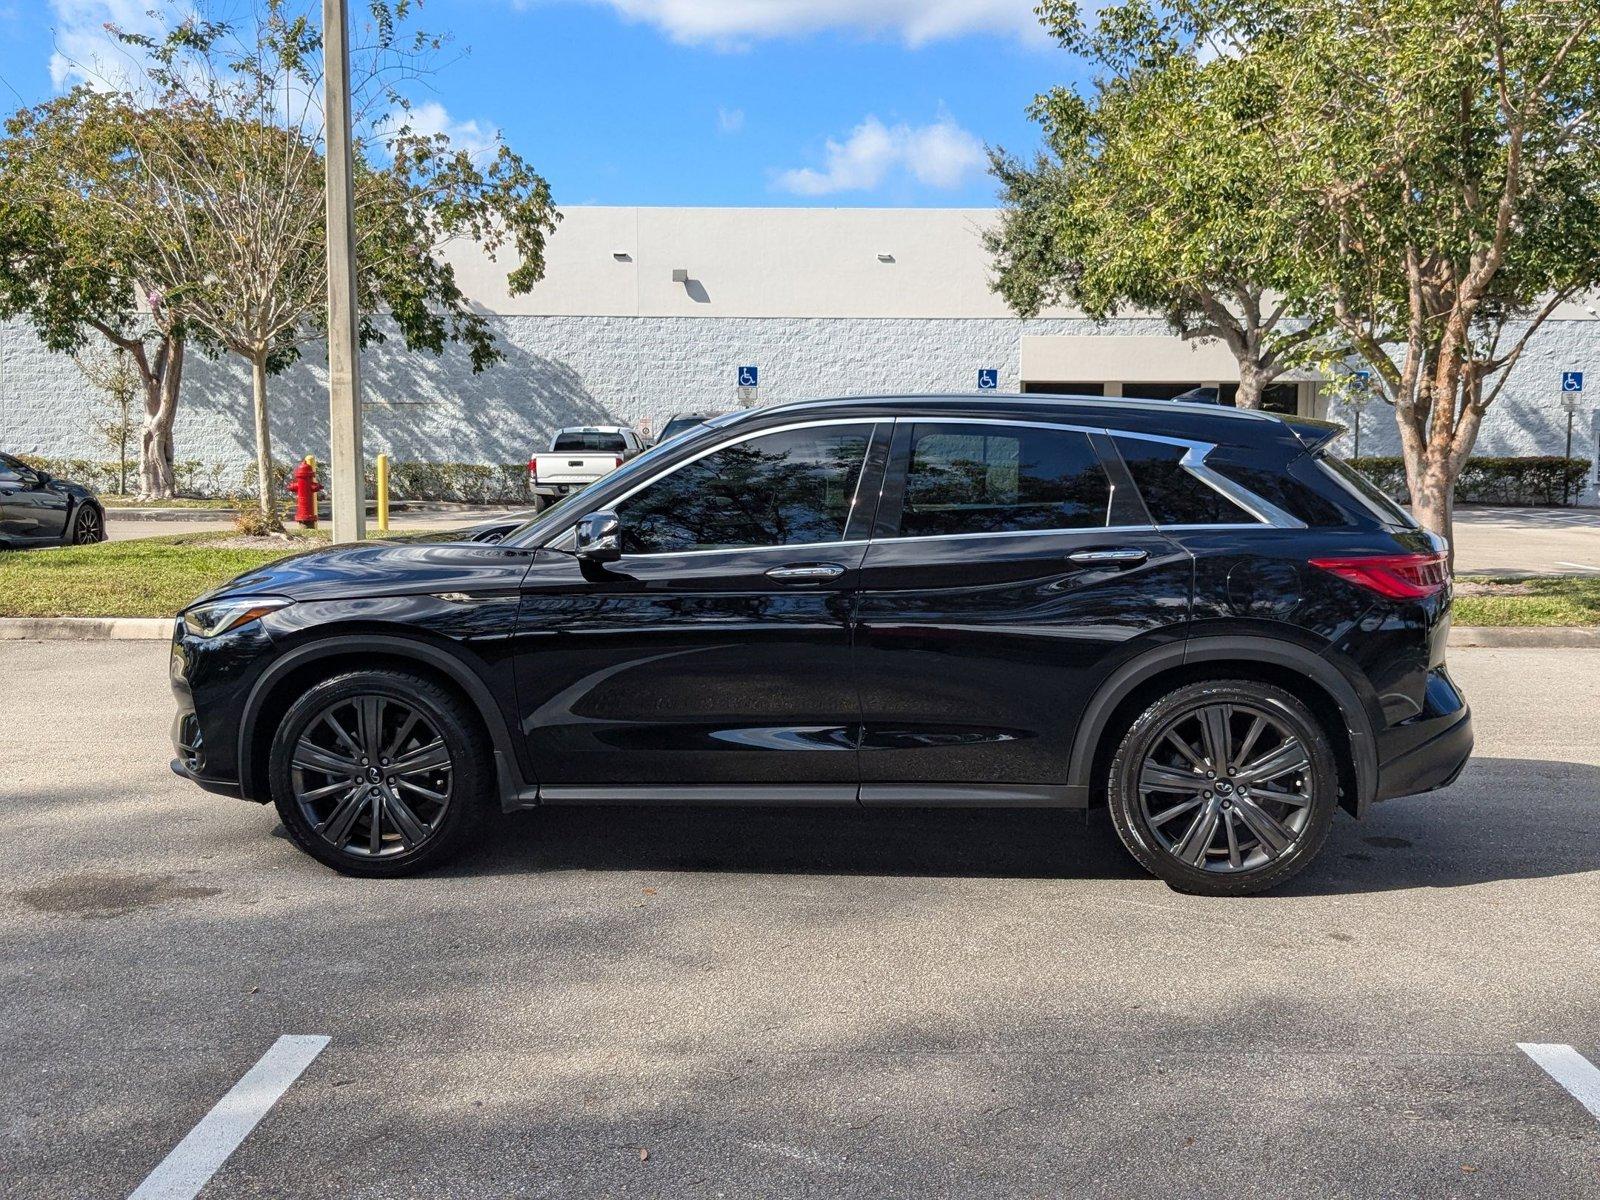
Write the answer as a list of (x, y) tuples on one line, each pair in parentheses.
[(218, 616)]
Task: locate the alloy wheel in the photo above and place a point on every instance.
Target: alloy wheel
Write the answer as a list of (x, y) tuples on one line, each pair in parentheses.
[(1226, 788), (87, 529), (372, 776)]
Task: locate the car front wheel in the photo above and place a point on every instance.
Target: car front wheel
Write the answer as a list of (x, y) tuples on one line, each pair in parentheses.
[(1224, 788), (88, 526), (380, 773)]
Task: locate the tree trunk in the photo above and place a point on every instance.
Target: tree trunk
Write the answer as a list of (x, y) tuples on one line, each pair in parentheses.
[(265, 484), (1251, 386), (157, 480), (1433, 503)]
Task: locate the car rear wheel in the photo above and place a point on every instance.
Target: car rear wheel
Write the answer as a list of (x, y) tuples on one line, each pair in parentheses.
[(380, 773), (1224, 788), (88, 526)]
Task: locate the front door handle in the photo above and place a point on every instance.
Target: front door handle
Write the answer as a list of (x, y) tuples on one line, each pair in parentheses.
[(1127, 556), (807, 571)]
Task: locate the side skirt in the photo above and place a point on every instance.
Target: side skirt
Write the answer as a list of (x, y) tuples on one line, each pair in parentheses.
[(922, 795)]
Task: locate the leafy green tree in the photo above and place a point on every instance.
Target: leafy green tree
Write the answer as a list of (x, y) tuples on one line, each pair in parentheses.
[(1160, 192), (1440, 191), (221, 144), (80, 272)]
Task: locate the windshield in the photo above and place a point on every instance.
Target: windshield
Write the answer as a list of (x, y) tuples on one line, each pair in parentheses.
[(579, 441)]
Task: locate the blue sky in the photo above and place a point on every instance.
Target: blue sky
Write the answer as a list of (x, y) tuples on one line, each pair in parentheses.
[(832, 102)]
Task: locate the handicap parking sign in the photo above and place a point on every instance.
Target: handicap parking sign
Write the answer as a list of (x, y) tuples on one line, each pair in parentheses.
[(1572, 381), (988, 379), (749, 376)]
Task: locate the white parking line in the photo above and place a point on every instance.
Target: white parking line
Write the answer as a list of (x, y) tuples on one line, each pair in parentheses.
[(193, 1161), (1580, 566), (1570, 1069)]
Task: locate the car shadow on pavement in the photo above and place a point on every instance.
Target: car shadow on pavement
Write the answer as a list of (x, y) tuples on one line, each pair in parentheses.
[(1505, 819)]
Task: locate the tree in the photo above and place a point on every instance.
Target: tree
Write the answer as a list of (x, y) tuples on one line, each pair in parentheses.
[(1444, 200), (114, 421), (221, 150), (1159, 193), (77, 269)]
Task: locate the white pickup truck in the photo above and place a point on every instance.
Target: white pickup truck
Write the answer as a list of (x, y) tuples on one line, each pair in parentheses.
[(578, 456)]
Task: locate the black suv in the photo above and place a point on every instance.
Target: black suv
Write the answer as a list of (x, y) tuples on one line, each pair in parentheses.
[(1193, 615)]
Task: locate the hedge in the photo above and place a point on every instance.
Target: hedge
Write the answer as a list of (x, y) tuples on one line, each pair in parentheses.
[(1529, 479)]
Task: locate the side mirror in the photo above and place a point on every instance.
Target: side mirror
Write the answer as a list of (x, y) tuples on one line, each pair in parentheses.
[(599, 538)]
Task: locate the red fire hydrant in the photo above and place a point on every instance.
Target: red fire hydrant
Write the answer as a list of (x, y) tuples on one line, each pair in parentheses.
[(305, 487)]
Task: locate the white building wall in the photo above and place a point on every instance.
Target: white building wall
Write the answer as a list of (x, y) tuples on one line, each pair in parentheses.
[(799, 292)]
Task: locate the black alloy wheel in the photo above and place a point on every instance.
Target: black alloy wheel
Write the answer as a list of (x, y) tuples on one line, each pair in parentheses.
[(1224, 788), (379, 772), (88, 526)]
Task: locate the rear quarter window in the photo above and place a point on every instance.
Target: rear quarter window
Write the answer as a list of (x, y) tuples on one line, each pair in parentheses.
[(1370, 496), (1281, 490), (1171, 494)]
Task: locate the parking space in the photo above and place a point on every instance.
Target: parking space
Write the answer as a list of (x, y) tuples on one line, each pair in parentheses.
[(748, 1002), (1500, 540)]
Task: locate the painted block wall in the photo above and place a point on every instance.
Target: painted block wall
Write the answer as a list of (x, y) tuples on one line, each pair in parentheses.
[(564, 370)]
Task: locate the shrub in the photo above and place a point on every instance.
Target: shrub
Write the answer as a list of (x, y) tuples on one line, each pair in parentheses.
[(1526, 479), (252, 522), (466, 483)]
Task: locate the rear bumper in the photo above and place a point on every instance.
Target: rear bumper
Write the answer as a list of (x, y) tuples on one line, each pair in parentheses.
[(1430, 764)]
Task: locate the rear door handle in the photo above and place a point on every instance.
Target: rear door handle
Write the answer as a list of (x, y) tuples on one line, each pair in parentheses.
[(812, 571), (1127, 556)]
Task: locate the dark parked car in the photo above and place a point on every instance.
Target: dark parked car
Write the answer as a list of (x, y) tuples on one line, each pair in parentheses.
[(38, 510), (682, 423), (1190, 614)]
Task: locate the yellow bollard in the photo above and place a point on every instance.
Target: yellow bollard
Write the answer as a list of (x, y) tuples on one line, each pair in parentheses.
[(383, 493)]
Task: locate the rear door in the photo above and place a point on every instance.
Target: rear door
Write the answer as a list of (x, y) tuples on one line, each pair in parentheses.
[(1011, 570), (30, 509)]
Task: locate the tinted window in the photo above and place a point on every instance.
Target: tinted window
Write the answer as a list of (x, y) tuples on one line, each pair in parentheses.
[(1001, 479), (1374, 497), (594, 443), (1172, 494), (681, 425), (1281, 490), (780, 489)]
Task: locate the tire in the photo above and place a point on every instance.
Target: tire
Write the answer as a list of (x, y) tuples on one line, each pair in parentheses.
[(327, 790), (1244, 828), (88, 527), (540, 503)]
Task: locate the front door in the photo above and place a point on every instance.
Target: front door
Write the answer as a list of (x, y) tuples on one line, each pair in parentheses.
[(713, 660), (30, 509), (1011, 571)]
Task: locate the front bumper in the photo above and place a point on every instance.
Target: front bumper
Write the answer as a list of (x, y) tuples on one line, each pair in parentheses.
[(219, 787)]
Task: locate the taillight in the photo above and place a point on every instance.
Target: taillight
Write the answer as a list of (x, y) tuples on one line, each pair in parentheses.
[(1397, 576), (618, 462), (533, 469)]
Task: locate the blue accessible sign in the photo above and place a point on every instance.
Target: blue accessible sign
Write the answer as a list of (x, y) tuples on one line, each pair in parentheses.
[(749, 376), (1572, 381), (988, 379)]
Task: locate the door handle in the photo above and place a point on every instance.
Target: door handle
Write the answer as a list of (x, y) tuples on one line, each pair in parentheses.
[(1127, 556), (811, 571)]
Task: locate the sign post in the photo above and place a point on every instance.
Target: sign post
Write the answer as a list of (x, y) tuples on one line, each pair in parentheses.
[(748, 380), (1359, 398), (1571, 397)]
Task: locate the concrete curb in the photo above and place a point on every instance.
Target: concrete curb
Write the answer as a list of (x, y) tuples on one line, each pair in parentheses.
[(159, 629), (410, 507), (85, 629), (1554, 637)]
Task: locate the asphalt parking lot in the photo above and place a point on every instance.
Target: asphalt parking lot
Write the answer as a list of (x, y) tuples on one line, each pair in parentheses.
[(829, 1003)]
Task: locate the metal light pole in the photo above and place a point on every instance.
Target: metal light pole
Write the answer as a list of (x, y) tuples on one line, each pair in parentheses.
[(344, 364)]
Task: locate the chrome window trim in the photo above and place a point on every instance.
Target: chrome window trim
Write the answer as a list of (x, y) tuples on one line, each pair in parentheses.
[(1194, 462), (871, 424)]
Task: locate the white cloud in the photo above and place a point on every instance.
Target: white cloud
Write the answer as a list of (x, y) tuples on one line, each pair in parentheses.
[(432, 117), (86, 53), (730, 120), (940, 155), (731, 23)]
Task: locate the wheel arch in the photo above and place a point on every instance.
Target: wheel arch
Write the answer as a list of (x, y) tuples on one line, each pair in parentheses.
[(1295, 668), (302, 667)]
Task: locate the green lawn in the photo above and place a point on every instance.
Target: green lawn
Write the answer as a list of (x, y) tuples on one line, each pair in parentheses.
[(1528, 600), (147, 577), (218, 503)]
